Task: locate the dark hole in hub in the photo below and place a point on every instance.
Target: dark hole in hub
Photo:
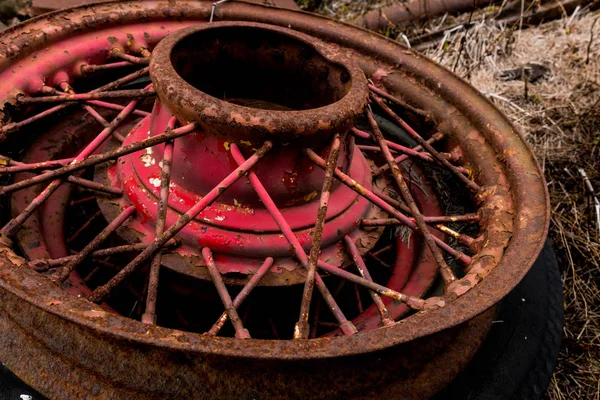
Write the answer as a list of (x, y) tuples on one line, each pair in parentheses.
[(259, 68)]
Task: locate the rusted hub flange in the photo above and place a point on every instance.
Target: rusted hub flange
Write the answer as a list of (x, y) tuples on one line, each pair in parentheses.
[(154, 361)]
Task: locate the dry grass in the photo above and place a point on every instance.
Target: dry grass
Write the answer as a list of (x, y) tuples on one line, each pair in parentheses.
[(560, 118)]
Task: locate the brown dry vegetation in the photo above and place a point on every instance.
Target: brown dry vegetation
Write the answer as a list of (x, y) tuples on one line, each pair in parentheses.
[(559, 115)]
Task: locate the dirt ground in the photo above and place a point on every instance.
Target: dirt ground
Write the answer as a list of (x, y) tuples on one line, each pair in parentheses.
[(559, 115)]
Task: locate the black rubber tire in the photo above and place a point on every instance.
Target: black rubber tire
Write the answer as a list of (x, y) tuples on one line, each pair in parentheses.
[(515, 361), (519, 354)]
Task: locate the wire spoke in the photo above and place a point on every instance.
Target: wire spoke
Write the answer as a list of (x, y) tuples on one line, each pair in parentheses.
[(302, 329), (240, 331), (149, 316), (101, 292), (14, 225), (364, 272), (375, 199), (63, 273), (439, 157)]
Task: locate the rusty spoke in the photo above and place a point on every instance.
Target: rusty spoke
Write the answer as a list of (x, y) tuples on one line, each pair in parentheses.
[(392, 145), (375, 199), (15, 126), (439, 157), (91, 68), (302, 329), (101, 292), (100, 158), (116, 94), (242, 295), (364, 272), (398, 160), (230, 309), (14, 225), (42, 265), (297, 247), (117, 53), (445, 270), (63, 273), (149, 316), (258, 187)]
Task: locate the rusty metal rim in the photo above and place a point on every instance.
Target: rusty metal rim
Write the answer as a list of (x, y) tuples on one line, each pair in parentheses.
[(191, 102), (526, 184)]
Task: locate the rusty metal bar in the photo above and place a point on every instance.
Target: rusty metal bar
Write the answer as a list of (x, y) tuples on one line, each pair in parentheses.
[(68, 90), (445, 270), (302, 328), (470, 184), (242, 295), (240, 331), (86, 183), (90, 68), (117, 53), (364, 272), (398, 160), (42, 265), (392, 145), (116, 107), (16, 223), (63, 273), (373, 198), (297, 247), (433, 220), (399, 102), (347, 327), (14, 126), (117, 94), (18, 166), (101, 292), (149, 316), (100, 158)]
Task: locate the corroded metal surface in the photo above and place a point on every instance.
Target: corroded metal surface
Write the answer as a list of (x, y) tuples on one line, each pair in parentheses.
[(407, 359)]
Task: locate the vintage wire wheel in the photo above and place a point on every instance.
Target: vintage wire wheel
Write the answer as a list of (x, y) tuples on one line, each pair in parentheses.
[(80, 261)]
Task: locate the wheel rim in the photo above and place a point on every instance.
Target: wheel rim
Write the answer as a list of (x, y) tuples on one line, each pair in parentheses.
[(512, 234)]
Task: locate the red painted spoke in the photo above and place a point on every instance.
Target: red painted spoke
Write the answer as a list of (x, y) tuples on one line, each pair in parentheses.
[(116, 94), (117, 53), (470, 184), (302, 329), (376, 149), (240, 331), (299, 251), (16, 223), (95, 186), (373, 198), (364, 272), (63, 273), (44, 265), (392, 145), (149, 316), (101, 292), (401, 103), (100, 158), (15, 126), (346, 326), (445, 270), (398, 160), (90, 69), (116, 107), (242, 295), (90, 110), (17, 166), (434, 220)]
